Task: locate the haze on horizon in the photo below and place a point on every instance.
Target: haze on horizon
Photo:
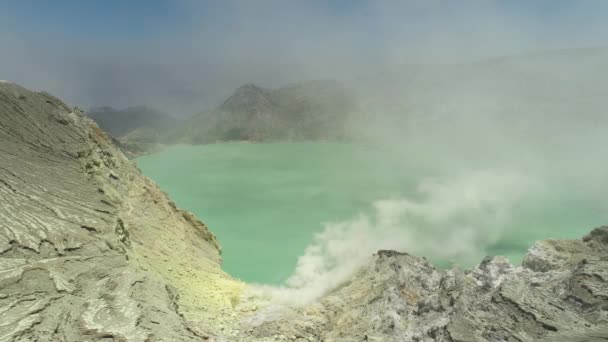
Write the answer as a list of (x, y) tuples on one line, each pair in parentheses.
[(186, 56)]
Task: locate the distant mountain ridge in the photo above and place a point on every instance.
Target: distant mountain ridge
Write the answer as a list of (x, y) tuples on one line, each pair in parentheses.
[(305, 111), (120, 122), (401, 101)]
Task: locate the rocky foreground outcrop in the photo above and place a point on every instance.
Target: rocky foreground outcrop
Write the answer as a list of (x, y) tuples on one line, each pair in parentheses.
[(91, 250), (559, 293)]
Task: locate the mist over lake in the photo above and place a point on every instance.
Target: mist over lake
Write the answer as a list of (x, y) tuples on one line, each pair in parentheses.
[(273, 204)]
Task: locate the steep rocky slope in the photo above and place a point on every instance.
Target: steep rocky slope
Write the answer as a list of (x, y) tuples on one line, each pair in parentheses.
[(91, 250)]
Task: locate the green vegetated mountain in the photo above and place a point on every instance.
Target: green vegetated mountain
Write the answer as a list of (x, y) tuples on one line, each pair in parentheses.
[(306, 111)]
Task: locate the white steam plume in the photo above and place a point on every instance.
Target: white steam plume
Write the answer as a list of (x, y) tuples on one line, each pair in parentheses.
[(450, 220)]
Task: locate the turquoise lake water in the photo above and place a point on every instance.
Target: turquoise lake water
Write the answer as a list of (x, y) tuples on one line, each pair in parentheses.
[(265, 202)]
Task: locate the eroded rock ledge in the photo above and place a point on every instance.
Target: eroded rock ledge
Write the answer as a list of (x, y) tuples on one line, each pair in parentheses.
[(91, 250), (560, 293)]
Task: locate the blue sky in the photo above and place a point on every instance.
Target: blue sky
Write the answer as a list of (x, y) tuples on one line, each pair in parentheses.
[(145, 19), (109, 19), (192, 53)]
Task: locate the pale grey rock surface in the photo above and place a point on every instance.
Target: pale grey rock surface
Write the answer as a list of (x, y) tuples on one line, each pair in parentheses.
[(84, 237), (560, 293)]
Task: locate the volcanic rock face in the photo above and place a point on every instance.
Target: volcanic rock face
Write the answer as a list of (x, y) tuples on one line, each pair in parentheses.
[(399, 297), (91, 250)]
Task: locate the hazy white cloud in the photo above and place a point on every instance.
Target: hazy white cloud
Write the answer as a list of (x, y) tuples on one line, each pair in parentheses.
[(449, 219), (220, 46)]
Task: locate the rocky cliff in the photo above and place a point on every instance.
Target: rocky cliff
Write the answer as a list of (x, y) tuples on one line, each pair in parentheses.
[(91, 250)]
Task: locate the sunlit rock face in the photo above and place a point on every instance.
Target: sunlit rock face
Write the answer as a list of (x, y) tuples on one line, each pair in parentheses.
[(399, 297), (90, 250)]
